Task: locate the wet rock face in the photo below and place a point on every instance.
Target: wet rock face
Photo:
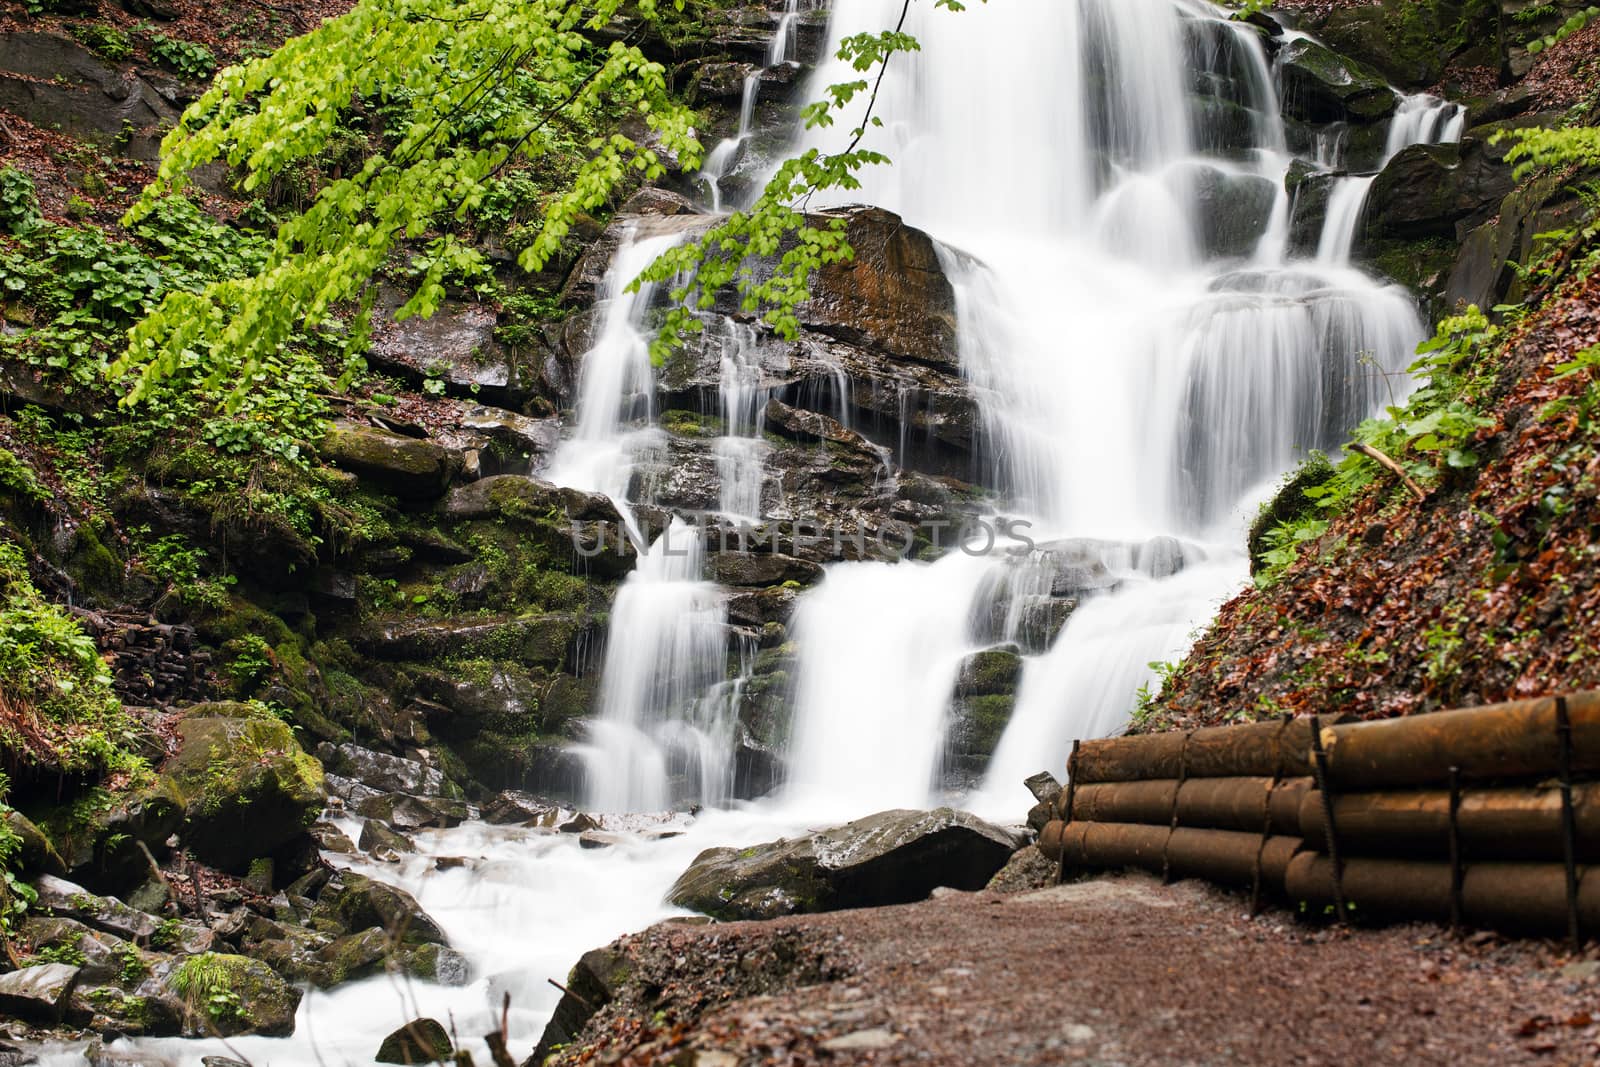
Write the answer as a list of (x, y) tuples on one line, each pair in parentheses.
[(58, 83), (981, 706), (893, 297), (457, 347), (39, 994), (891, 858), (1320, 86)]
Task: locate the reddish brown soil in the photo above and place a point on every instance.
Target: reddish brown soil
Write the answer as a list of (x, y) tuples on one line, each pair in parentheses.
[(1114, 970)]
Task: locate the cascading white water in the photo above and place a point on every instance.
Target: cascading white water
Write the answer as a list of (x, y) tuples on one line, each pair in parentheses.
[(1147, 355), (725, 156), (1418, 119), (663, 711), (664, 731), (616, 385), (740, 451)]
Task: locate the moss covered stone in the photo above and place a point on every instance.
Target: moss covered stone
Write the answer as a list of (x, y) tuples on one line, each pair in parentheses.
[(403, 466), (246, 786), (226, 995)]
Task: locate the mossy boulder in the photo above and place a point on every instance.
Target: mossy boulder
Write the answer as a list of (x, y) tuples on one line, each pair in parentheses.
[(226, 995), (894, 857), (541, 640), (990, 672), (1319, 85), (354, 902), (247, 787), (36, 853), (404, 466), (1406, 41)]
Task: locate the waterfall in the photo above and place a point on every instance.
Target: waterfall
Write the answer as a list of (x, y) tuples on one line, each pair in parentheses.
[(740, 451), (616, 385), (1147, 357), (665, 727), (664, 713), (1418, 119), (722, 158)]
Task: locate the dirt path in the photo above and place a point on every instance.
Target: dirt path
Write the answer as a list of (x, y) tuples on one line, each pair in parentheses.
[(1112, 971)]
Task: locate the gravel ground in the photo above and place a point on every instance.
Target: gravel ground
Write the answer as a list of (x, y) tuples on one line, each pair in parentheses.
[(1115, 970)]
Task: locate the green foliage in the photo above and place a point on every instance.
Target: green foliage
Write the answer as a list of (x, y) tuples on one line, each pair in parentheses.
[(181, 566), (17, 479), (168, 935), (1429, 435), (440, 72), (104, 39), (57, 709), (206, 981), (83, 290), (67, 952), (1585, 405), (187, 59), (465, 92), (16, 896), (1574, 145), (1147, 701), (1573, 24), (19, 205), (776, 228), (130, 966), (250, 660)]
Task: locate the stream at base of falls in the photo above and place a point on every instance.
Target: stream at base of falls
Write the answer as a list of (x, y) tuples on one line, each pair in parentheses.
[(1143, 377)]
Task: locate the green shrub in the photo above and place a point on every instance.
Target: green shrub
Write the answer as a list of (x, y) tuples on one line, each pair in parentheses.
[(187, 59), (106, 40), (19, 204), (57, 710)]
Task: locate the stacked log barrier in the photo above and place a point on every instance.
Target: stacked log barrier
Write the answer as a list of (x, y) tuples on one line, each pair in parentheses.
[(1488, 816)]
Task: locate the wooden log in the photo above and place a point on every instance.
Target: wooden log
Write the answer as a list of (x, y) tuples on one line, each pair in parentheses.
[(1050, 840), (1511, 823), (1214, 803), (1224, 856), (1522, 898), (1501, 741), (1252, 750)]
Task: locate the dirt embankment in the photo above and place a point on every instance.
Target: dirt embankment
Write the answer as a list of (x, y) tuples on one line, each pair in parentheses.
[(1114, 970)]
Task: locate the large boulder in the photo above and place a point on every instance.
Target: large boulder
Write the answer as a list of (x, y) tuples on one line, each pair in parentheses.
[(892, 296), (38, 994), (1234, 210), (1434, 191), (1319, 85), (225, 995), (546, 640), (407, 467), (58, 83), (455, 346), (894, 857), (380, 772), (419, 1041), (247, 787), (354, 902), (70, 901)]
